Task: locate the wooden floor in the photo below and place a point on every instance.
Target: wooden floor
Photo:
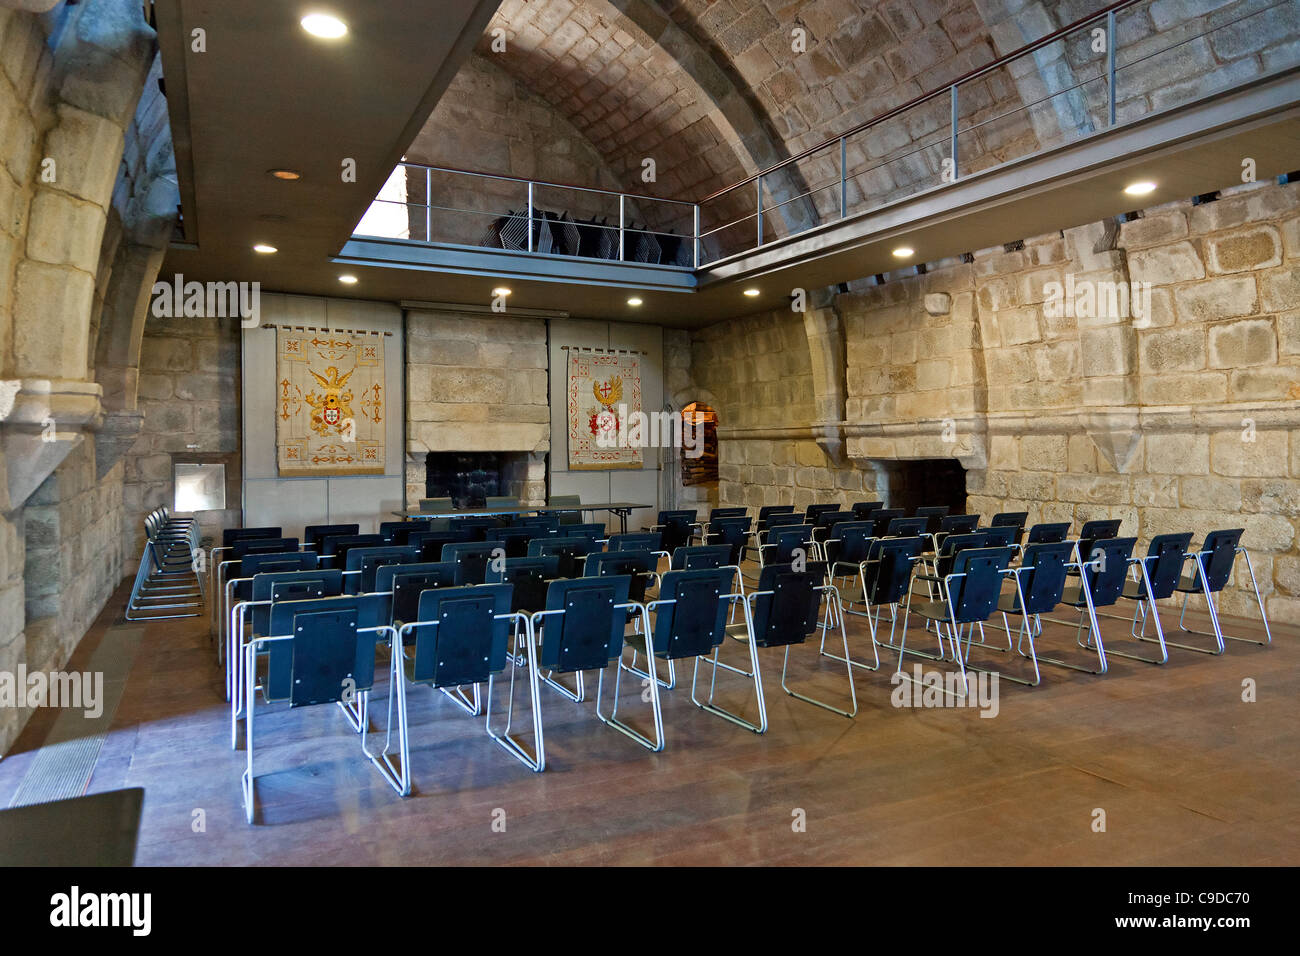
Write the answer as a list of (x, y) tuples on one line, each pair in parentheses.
[(1186, 772)]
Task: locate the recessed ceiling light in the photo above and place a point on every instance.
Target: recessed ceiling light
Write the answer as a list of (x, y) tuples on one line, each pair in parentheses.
[(324, 26), (348, 279), (904, 251), (1140, 189), (264, 249), (288, 175), (751, 292), (635, 300), (500, 290)]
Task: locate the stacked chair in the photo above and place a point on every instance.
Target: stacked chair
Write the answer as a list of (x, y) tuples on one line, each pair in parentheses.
[(169, 580)]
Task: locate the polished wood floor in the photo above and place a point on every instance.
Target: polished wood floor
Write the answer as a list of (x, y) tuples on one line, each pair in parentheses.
[(1185, 771)]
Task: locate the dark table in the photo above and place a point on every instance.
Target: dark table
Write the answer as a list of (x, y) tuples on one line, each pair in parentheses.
[(620, 508)]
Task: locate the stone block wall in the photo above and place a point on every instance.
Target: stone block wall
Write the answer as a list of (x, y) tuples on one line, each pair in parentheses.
[(1177, 414), (477, 382), (189, 388), (74, 557)]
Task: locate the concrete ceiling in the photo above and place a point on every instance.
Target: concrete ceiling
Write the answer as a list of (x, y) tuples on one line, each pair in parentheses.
[(265, 94)]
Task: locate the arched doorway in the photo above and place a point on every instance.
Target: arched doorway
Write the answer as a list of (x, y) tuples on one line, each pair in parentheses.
[(699, 444)]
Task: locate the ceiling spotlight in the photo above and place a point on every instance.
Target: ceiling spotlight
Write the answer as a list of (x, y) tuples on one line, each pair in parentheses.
[(751, 292), (1140, 189), (635, 300), (288, 175), (324, 26), (264, 249), (500, 290), (904, 252), (348, 279)]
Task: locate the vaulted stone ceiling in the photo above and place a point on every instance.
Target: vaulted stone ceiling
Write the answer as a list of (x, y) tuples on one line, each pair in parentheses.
[(715, 89)]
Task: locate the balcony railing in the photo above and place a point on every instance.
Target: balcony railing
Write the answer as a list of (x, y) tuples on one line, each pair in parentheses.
[(1128, 60)]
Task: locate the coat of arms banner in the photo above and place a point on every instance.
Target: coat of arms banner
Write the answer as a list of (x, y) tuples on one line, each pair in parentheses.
[(604, 390), (330, 403)]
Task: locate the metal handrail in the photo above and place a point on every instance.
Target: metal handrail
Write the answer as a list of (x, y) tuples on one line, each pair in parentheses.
[(762, 208)]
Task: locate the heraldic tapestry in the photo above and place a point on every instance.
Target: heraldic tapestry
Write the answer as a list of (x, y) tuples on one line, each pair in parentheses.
[(330, 408), (604, 389)]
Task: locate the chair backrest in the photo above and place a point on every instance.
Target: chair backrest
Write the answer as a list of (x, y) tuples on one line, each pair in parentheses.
[(906, 527), (932, 514), (527, 577), (790, 613), (864, 509), (1049, 533), (1015, 519), (389, 529), (701, 556), (732, 532), (408, 581), (471, 559), (974, 596), (368, 560), (766, 512), (1105, 583), (589, 634), (469, 643), (261, 546), (290, 586), (431, 543), (635, 541), (717, 513), (1164, 562), (785, 540), (954, 544), (811, 513), (567, 501), (515, 539), (637, 565), (230, 535), (542, 523), (314, 532), (829, 519), (273, 562), (565, 550), (889, 577), (1099, 529), (880, 519), (437, 505), (1000, 535), (1044, 581), (592, 530), (479, 527), (696, 622), (958, 524), (1222, 547), (676, 527), (849, 541), (327, 659), (502, 501), (339, 544), (782, 520)]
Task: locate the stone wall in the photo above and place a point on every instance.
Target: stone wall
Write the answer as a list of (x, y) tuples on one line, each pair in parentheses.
[(74, 555), (189, 394), (1180, 415), (70, 84), (477, 382)]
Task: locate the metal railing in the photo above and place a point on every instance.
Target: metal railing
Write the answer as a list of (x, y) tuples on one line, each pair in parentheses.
[(1099, 72)]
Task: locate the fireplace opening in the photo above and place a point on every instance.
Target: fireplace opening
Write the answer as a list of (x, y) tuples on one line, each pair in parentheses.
[(916, 484), (467, 478)]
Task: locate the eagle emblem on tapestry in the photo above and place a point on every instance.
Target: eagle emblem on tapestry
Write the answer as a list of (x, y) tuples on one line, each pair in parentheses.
[(330, 414)]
